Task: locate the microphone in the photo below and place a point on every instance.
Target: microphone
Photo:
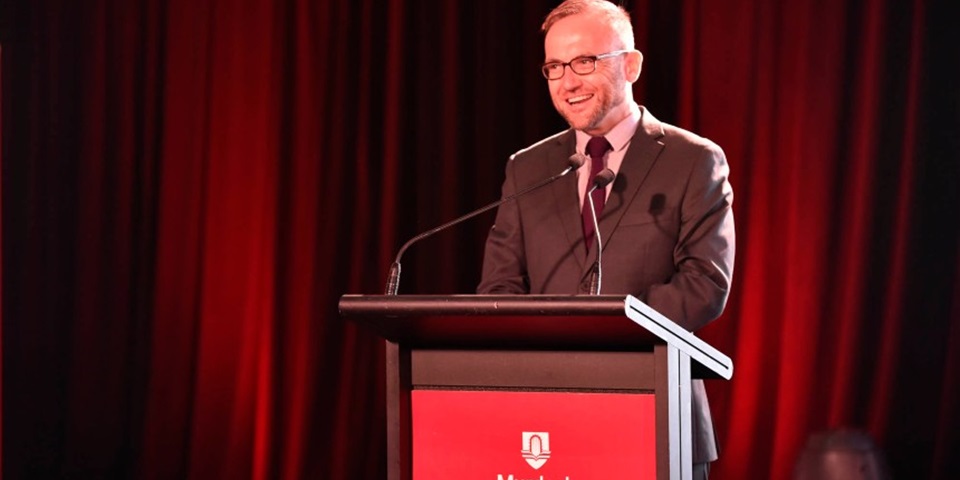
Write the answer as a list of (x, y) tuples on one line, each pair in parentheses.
[(600, 181), (393, 279)]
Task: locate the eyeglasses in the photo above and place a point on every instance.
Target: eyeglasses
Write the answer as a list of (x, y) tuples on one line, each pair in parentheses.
[(584, 65)]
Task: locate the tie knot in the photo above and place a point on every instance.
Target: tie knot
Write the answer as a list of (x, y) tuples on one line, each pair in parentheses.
[(597, 146)]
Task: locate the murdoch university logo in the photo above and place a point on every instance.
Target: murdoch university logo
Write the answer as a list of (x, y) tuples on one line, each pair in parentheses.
[(536, 448)]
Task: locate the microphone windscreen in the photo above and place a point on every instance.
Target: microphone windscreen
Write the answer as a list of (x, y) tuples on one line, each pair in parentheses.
[(576, 160), (603, 178)]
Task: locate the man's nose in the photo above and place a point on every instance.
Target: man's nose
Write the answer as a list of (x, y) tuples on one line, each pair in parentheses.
[(570, 80)]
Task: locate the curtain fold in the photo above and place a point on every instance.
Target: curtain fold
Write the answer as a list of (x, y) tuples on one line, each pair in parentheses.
[(188, 188)]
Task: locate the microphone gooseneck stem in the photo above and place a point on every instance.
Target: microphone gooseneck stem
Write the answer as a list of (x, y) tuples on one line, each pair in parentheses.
[(595, 273), (604, 178), (393, 280)]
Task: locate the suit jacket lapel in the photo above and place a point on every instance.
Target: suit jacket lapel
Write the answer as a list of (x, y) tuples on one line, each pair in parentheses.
[(566, 197), (641, 155)]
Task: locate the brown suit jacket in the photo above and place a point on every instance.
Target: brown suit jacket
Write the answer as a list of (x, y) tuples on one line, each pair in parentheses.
[(667, 230)]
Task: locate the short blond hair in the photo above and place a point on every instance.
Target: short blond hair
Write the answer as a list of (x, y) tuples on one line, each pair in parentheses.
[(614, 15)]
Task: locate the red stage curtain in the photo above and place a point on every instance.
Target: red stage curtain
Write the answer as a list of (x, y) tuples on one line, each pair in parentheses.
[(188, 187)]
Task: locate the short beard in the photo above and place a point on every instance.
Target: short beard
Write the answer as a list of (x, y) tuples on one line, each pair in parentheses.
[(617, 98), (594, 122)]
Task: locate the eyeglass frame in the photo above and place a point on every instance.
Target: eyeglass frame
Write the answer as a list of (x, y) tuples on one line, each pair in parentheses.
[(593, 61)]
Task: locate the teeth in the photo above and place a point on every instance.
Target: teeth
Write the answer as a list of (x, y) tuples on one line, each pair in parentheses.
[(581, 98)]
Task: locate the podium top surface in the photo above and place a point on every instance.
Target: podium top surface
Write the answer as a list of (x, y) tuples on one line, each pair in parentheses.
[(468, 305), (499, 321)]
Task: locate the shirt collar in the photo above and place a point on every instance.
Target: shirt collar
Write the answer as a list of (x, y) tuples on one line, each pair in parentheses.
[(619, 136)]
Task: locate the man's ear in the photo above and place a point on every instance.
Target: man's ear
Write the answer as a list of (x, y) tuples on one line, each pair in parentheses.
[(633, 65)]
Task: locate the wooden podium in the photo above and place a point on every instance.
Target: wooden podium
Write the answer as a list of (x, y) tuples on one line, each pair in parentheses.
[(530, 344)]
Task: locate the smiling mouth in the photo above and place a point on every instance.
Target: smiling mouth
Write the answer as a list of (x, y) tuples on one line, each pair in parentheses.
[(579, 99)]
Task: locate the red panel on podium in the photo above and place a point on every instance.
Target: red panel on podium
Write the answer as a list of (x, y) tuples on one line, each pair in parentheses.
[(499, 435)]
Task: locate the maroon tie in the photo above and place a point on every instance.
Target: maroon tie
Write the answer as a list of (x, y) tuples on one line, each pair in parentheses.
[(596, 148)]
